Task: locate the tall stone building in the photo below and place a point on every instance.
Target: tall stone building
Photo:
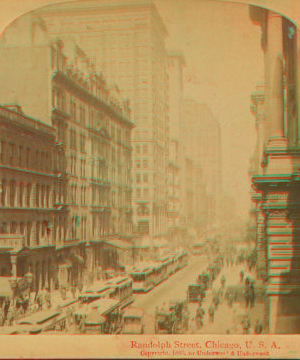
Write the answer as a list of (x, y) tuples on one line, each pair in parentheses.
[(27, 197), (126, 41), (54, 80), (203, 146), (275, 179)]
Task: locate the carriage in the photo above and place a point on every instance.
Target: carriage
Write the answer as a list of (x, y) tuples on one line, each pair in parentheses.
[(204, 280), (170, 321), (195, 292)]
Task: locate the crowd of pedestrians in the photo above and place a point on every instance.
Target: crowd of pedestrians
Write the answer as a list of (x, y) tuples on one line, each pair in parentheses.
[(242, 292)]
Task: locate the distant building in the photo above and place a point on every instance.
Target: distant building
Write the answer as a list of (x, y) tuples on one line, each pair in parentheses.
[(173, 194), (203, 146), (55, 81), (177, 159)]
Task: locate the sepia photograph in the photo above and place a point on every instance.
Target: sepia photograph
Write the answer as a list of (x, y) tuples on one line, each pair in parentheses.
[(149, 179)]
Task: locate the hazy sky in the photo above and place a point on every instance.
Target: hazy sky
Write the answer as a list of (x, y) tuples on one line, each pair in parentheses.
[(224, 62)]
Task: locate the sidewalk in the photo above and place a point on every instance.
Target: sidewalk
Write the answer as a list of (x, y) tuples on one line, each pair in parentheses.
[(224, 315)]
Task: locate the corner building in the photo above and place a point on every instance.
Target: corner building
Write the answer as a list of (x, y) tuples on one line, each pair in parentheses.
[(126, 41), (92, 157)]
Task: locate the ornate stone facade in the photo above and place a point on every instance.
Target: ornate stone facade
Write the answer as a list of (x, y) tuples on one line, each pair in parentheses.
[(276, 180)]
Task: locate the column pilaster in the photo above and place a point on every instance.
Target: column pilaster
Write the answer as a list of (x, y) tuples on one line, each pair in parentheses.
[(274, 80), (13, 259), (262, 260)]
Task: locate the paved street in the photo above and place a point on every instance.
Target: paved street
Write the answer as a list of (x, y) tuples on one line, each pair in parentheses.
[(172, 289), (175, 288)]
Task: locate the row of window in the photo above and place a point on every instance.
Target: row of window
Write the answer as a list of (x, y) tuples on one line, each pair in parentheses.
[(20, 156), (73, 166), (141, 148), (142, 193), (140, 162), (139, 178), (20, 195), (97, 119), (42, 230)]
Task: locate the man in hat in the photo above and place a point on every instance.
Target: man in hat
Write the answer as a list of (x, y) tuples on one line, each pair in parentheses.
[(258, 328), (246, 324), (211, 312)]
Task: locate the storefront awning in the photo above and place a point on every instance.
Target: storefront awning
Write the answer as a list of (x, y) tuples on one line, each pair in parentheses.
[(122, 244)]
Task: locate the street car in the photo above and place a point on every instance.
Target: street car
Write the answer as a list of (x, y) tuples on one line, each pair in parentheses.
[(133, 321), (42, 321), (170, 321)]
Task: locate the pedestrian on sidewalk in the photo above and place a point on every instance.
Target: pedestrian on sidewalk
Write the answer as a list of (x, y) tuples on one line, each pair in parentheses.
[(235, 319), (6, 308), (2, 321), (258, 327), (223, 281), (247, 293), (47, 298), (251, 295), (246, 324), (241, 276), (39, 300), (216, 300), (73, 290), (231, 298), (211, 312)]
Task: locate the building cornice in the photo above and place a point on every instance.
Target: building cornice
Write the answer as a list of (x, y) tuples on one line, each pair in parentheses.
[(93, 100), (21, 121), (91, 7)]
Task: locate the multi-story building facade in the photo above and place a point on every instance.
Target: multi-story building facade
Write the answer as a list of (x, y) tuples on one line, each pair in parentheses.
[(92, 161), (126, 41), (173, 194), (190, 191), (27, 208)]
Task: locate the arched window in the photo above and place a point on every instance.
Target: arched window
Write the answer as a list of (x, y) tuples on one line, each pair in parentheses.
[(21, 195), (22, 228), (28, 195), (43, 196), (3, 194), (48, 196), (12, 193), (38, 233), (37, 195), (13, 227), (29, 226)]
